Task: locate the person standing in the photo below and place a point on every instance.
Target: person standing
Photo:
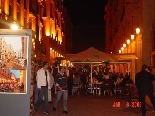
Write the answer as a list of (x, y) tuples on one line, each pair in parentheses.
[(43, 84), (51, 84), (153, 72), (70, 81), (62, 89), (143, 81), (36, 68)]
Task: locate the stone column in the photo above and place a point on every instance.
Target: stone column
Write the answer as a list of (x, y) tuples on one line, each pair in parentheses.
[(138, 52), (148, 16), (133, 73)]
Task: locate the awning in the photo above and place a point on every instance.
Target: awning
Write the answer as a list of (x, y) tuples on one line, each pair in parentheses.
[(124, 56), (91, 55)]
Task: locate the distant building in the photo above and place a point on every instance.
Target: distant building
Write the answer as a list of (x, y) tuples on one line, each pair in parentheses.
[(122, 19)]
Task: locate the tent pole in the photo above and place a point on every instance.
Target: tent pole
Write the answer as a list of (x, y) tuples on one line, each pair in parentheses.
[(91, 78)]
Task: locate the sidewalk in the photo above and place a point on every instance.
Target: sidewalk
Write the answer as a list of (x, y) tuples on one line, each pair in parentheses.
[(88, 105)]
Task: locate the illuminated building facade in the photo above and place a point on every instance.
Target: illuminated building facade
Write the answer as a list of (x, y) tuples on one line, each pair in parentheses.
[(130, 29), (24, 48), (49, 21)]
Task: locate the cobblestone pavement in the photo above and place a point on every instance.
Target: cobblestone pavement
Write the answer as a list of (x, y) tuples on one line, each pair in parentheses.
[(88, 105)]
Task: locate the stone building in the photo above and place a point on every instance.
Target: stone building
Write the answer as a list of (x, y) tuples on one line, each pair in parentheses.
[(130, 28), (49, 21), (52, 27)]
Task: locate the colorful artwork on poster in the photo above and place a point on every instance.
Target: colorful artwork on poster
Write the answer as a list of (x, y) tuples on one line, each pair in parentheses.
[(13, 63)]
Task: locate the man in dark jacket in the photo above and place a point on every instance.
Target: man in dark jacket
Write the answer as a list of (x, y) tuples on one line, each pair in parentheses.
[(62, 89), (143, 81)]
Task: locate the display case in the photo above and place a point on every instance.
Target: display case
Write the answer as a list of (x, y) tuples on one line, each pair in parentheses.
[(15, 72)]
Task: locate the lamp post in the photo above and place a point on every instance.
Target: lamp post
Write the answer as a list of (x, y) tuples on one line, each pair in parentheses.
[(132, 35), (14, 27), (128, 42), (124, 45), (137, 30), (138, 49)]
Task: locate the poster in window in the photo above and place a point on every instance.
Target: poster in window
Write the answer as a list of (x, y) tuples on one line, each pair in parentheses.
[(13, 63)]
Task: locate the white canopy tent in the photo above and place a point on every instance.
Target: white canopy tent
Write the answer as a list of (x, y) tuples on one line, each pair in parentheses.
[(91, 55)]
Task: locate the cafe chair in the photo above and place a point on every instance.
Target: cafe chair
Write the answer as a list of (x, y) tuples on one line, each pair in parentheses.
[(117, 89), (90, 90), (76, 89), (107, 89), (97, 89)]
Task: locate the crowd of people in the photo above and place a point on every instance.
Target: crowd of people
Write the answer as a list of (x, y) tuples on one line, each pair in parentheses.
[(65, 79), (45, 82), (84, 79)]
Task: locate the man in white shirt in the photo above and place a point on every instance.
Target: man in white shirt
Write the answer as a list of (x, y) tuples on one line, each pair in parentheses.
[(43, 85)]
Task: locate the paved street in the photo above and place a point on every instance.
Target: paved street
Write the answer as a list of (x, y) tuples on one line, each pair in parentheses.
[(88, 105)]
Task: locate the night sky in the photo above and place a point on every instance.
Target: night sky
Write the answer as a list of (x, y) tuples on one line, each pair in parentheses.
[(87, 17)]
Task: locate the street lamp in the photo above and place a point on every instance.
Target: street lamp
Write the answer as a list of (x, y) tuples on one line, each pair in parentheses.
[(128, 41), (122, 48), (137, 30), (132, 37), (14, 27), (124, 45)]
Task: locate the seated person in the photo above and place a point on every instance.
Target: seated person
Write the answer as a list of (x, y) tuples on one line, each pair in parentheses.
[(125, 81), (76, 79), (76, 83)]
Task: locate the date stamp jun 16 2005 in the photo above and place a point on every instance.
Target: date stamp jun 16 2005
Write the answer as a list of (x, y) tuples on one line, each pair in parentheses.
[(134, 104)]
